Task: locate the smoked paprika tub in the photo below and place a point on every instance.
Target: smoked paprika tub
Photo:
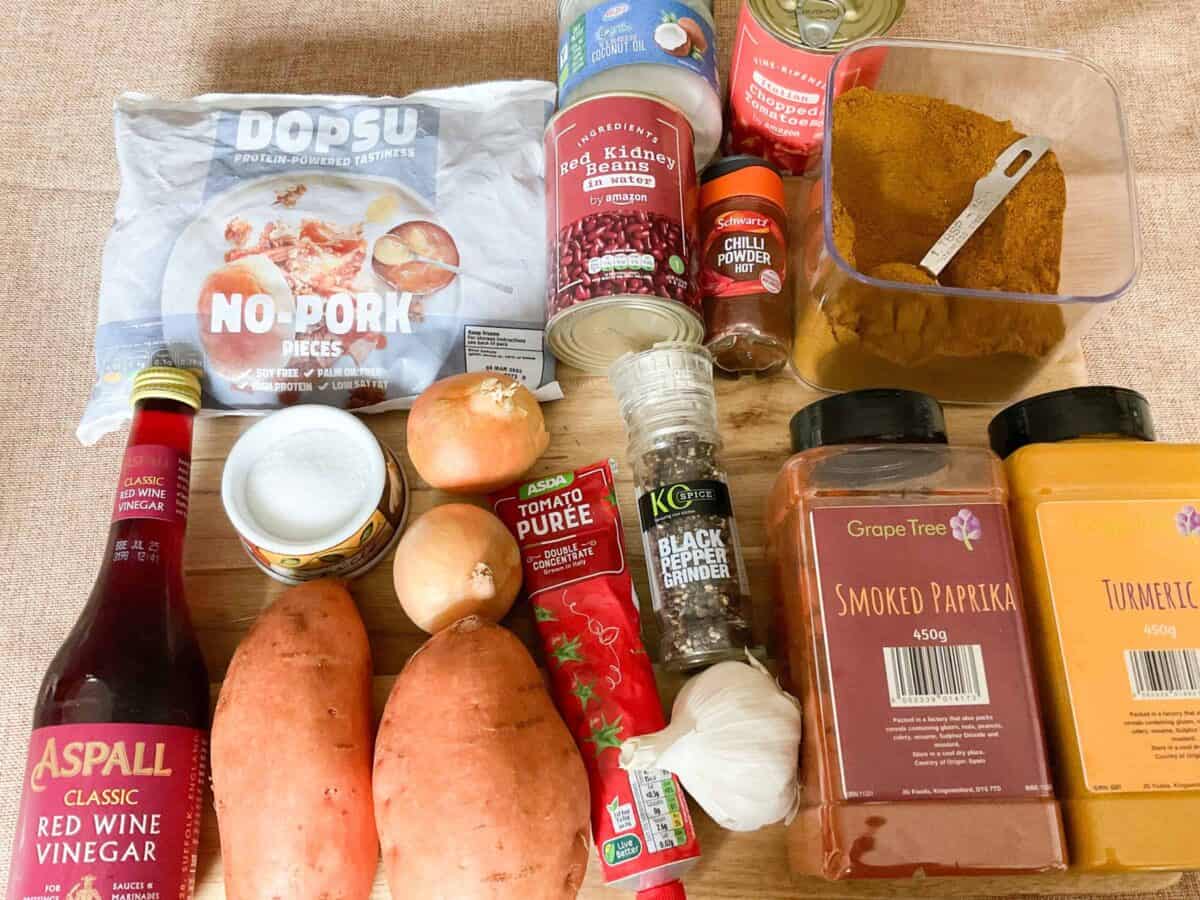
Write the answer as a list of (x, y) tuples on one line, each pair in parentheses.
[(904, 637), (1108, 530)]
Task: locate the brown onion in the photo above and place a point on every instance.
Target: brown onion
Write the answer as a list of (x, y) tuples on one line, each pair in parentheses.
[(454, 561), (475, 432)]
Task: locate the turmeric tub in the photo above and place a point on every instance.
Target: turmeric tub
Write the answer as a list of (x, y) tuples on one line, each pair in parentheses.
[(905, 640), (1109, 538)]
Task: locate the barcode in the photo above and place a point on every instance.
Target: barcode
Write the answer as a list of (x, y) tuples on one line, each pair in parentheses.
[(936, 676), (1164, 674)]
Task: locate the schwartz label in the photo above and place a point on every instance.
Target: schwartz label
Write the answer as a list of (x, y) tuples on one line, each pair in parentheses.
[(745, 252), (153, 485), (928, 660), (1124, 580), (109, 812)]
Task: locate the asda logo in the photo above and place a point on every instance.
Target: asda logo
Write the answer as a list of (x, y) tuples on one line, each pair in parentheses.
[(621, 849), (545, 485)]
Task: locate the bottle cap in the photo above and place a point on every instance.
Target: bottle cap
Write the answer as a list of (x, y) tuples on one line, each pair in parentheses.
[(1091, 411), (741, 175), (167, 383), (873, 416), (672, 890)]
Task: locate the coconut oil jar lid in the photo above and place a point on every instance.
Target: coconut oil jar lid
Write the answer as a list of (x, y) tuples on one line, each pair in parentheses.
[(312, 493)]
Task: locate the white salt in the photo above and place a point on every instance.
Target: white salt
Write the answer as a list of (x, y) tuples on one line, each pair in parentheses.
[(307, 485)]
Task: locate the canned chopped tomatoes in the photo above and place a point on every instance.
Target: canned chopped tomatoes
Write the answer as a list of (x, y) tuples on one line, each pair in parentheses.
[(779, 74)]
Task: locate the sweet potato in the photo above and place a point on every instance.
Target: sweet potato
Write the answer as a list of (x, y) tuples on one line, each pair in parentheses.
[(291, 753), (480, 792)]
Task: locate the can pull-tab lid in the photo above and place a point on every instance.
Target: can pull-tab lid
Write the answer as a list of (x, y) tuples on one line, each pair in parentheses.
[(819, 21)]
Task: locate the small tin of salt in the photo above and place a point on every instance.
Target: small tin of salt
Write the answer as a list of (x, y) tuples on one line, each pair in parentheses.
[(312, 493)]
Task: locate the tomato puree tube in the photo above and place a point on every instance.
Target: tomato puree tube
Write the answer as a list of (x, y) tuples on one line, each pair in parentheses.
[(577, 579)]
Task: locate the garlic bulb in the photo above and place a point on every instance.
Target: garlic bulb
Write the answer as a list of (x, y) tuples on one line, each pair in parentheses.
[(734, 742)]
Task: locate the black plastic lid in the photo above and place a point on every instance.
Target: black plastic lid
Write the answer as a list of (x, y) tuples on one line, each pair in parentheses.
[(875, 416), (728, 164), (1071, 413)]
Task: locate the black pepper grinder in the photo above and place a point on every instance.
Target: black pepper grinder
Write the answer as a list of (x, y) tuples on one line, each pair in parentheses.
[(698, 582)]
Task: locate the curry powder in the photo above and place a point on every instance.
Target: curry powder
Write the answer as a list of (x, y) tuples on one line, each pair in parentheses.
[(904, 167)]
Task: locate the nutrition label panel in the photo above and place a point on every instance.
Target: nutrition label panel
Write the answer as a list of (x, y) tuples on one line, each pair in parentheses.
[(657, 798)]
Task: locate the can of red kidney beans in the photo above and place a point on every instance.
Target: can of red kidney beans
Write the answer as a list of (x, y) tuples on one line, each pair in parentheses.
[(622, 229), (779, 73)]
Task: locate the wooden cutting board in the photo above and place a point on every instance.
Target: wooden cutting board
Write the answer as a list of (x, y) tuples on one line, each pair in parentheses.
[(227, 592)]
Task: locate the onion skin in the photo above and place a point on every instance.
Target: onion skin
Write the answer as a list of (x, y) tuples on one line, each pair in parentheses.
[(475, 433), (456, 560)]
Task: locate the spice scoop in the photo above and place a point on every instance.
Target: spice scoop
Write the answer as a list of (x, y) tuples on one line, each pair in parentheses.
[(990, 191)]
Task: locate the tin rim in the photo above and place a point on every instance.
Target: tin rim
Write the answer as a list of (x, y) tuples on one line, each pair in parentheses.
[(627, 95), (367, 564), (839, 43), (562, 330)]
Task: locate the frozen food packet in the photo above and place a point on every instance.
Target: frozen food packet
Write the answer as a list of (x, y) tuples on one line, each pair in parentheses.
[(325, 249)]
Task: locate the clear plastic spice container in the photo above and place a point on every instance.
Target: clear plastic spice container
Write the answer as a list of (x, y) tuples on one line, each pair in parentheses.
[(903, 634), (694, 561), (967, 344)]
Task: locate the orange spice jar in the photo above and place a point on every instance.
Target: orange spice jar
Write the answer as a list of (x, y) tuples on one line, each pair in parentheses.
[(1108, 534), (744, 260), (904, 636)]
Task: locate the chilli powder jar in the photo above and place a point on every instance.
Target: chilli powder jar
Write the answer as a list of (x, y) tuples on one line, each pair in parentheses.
[(743, 274)]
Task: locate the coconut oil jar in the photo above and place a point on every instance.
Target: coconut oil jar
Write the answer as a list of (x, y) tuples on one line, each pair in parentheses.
[(665, 49)]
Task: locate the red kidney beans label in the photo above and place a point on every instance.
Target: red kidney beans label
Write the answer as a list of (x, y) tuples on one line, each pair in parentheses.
[(777, 95), (153, 484), (577, 579), (621, 203), (109, 811), (744, 253)]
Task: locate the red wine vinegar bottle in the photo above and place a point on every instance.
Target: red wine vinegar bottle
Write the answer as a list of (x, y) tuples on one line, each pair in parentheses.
[(110, 804)]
